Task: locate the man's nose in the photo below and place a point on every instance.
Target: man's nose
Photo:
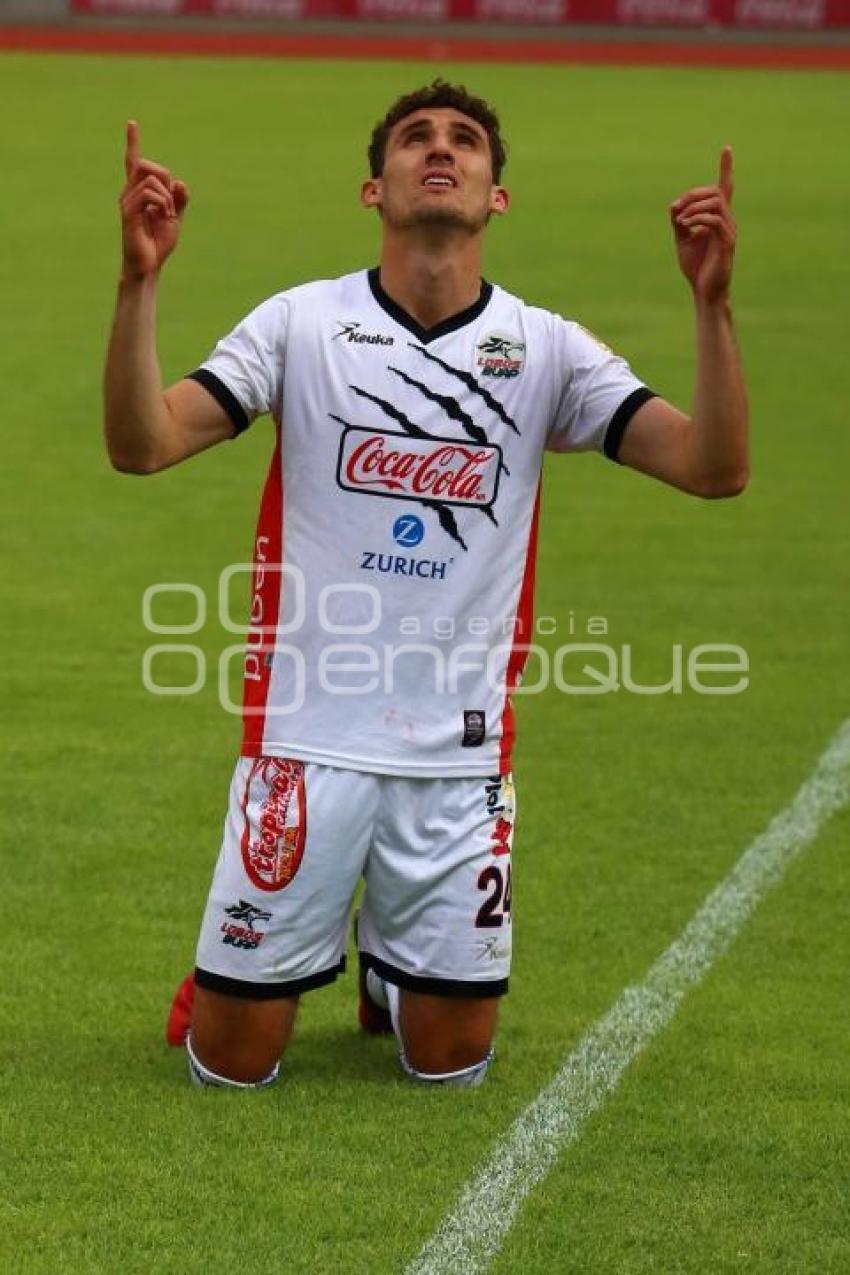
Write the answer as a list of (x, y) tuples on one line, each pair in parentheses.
[(441, 153)]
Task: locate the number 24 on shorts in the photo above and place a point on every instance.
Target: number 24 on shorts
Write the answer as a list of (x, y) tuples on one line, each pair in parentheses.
[(496, 908)]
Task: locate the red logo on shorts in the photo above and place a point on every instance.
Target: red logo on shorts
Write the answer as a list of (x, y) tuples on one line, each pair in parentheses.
[(501, 836), (273, 840)]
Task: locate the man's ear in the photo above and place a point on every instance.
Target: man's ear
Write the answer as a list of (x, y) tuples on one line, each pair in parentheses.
[(371, 193), (500, 201)]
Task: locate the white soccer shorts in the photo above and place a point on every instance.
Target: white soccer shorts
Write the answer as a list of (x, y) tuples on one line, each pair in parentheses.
[(435, 855)]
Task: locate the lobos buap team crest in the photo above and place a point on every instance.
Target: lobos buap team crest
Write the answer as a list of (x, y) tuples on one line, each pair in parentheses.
[(500, 355), (275, 813)]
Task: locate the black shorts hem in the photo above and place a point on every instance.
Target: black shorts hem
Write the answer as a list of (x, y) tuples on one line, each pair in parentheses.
[(458, 989), (266, 991)]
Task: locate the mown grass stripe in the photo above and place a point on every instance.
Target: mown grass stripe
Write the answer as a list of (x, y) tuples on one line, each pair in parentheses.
[(472, 1234)]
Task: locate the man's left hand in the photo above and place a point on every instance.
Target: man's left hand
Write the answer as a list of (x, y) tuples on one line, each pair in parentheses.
[(705, 234)]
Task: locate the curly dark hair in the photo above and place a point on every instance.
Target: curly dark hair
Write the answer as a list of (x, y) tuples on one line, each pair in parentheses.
[(439, 93)]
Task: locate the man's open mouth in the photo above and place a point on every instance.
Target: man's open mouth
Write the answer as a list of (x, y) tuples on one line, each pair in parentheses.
[(439, 181)]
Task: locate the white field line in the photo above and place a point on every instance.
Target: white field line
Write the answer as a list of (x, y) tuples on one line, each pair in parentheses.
[(472, 1234)]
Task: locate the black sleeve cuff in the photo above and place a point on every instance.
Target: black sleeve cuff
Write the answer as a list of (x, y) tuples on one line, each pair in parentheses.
[(620, 419), (224, 397)]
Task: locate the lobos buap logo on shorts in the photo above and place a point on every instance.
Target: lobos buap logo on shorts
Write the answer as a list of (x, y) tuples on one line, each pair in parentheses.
[(239, 931), (275, 813), (500, 354)]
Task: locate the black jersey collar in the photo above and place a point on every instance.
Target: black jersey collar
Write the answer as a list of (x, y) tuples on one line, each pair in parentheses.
[(395, 311)]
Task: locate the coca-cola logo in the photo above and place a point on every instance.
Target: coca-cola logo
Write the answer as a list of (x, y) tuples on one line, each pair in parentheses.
[(420, 469), (273, 837)]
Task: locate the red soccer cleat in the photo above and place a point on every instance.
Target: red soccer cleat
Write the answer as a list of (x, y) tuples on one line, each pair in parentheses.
[(180, 1014)]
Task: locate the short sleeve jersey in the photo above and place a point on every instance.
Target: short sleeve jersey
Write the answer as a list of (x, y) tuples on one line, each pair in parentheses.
[(393, 570)]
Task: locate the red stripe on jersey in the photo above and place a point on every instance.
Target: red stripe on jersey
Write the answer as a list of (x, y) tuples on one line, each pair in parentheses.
[(245, 840), (265, 608), (521, 639)]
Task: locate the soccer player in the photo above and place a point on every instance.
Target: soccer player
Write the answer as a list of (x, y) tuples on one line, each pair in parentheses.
[(393, 578)]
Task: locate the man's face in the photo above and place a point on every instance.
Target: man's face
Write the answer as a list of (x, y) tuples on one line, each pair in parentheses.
[(437, 171)]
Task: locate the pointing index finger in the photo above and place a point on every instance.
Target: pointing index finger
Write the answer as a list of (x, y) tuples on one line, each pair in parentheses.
[(131, 153), (726, 183)]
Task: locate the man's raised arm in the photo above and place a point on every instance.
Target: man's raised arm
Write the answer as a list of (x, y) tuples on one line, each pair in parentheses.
[(706, 453), (146, 428)]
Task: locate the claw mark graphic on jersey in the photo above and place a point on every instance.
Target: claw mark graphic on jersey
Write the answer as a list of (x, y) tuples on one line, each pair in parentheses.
[(395, 487), (452, 409), (471, 384), (393, 412), (446, 519), (450, 406), (449, 474)]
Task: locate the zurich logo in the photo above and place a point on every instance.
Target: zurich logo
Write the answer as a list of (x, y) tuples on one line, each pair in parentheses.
[(408, 530)]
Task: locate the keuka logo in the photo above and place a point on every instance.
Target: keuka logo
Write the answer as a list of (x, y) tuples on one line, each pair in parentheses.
[(493, 949), (500, 355), (351, 332)]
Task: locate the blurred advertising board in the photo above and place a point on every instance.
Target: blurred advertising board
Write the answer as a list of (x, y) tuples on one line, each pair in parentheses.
[(765, 15)]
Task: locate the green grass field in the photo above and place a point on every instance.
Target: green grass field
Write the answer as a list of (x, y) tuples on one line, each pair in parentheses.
[(725, 1148)]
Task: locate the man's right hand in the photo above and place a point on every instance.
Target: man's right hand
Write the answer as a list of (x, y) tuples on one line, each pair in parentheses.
[(152, 206)]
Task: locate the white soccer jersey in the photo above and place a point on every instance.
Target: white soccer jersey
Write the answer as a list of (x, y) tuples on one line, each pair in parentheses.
[(394, 556)]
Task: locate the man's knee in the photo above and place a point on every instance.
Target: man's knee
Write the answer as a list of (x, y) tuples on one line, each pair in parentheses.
[(463, 1078), (446, 1039), (204, 1077), (236, 1041)]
